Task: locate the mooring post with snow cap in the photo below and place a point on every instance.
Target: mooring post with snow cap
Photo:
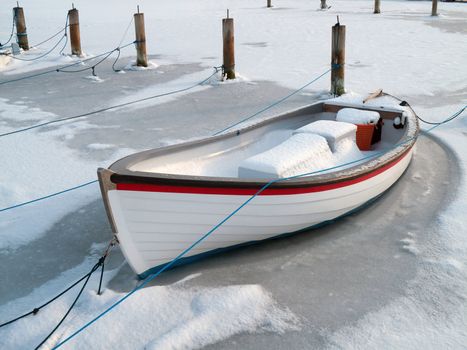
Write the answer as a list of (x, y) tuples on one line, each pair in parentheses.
[(20, 22), (338, 59), (324, 6), (377, 6), (75, 37), (434, 7), (228, 40), (141, 55)]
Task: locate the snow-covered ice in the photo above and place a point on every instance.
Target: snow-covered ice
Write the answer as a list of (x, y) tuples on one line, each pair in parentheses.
[(393, 276), (200, 316)]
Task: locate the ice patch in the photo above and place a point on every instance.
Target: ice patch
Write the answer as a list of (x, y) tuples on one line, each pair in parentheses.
[(219, 313), (188, 278), (39, 167), (190, 81), (4, 61), (100, 146), (238, 79), (409, 244), (94, 78), (159, 317), (432, 314), (131, 66), (20, 112), (23, 225), (17, 66)]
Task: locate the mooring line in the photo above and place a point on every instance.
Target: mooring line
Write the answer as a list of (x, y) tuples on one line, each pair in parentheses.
[(84, 115), (80, 116), (405, 103), (53, 36), (11, 35), (46, 40), (44, 54), (60, 68), (275, 103), (111, 107), (48, 196), (99, 264)]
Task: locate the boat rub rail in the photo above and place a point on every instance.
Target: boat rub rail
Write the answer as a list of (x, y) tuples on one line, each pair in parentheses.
[(154, 184)]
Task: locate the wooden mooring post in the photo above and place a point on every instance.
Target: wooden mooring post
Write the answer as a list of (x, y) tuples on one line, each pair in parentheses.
[(228, 40), (434, 7), (20, 22), (338, 59), (324, 6), (141, 55), (377, 6), (75, 38), (269, 3)]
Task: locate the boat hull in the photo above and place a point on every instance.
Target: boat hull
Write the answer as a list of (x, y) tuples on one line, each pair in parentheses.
[(154, 223)]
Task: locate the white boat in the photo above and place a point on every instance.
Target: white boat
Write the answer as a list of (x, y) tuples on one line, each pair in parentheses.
[(162, 200)]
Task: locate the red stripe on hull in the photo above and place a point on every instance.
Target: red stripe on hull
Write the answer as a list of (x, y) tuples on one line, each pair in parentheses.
[(252, 191)]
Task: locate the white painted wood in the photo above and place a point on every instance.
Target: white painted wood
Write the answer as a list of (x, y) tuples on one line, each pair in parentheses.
[(153, 228)]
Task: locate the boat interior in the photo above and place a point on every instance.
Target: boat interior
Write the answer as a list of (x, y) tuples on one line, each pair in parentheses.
[(305, 140)]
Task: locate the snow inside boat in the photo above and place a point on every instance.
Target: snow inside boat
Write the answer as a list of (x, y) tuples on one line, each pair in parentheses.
[(161, 201)]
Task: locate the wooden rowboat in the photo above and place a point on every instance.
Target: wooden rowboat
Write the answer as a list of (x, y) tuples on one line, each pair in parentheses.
[(162, 200)]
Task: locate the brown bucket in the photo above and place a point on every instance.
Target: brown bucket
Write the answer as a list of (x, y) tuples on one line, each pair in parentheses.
[(364, 136)]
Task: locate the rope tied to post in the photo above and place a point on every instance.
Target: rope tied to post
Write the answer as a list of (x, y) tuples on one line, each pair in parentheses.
[(226, 68), (218, 68), (100, 263), (64, 36), (12, 32), (114, 241), (116, 60), (62, 68), (337, 59)]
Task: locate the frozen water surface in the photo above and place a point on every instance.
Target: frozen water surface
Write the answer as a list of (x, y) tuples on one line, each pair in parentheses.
[(390, 276)]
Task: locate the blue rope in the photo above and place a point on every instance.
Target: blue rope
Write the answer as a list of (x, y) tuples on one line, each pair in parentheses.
[(81, 116), (48, 196), (59, 69), (41, 56), (53, 36), (48, 39), (171, 263), (275, 103), (2, 46), (87, 114), (164, 94)]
